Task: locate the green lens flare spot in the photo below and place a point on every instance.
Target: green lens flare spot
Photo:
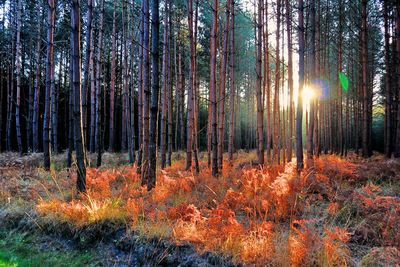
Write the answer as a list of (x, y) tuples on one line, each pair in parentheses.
[(344, 82)]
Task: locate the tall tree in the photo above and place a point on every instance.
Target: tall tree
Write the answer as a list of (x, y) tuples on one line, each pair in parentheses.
[(155, 25), (49, 81), (299, 115), (365, 94), (18, 76), (35, 115), (388, 117), (88, 56), (191, 135), (397, 148), (222, 86), (99, 81), (232, 84), (276, 111), (77, 92), (290, 76), (146, 91), (213, 91), (140, 91), (164, 100)]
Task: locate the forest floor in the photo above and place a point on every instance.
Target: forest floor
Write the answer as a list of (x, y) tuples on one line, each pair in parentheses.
[(337, 212)]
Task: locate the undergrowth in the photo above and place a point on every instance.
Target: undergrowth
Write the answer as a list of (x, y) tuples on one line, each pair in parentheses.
[(269, 215)]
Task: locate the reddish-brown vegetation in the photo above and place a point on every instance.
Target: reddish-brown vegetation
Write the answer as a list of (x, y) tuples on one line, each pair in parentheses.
[(256, 215)]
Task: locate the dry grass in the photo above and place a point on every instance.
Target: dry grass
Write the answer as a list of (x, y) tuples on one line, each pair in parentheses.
[(262, 216)]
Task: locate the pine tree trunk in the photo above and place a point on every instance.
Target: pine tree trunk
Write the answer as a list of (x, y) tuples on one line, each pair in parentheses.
[(213, 91), (397, 148), (196, 99), (49, 81), (125, 73), (54, 116), (140, 91), (365, 125), (155, 24), (71, 143), (177, 90), (299, 115), (222, 86), (169, 95), (88, 52), (388, 117), (132, 148), (77, 93), (18, 74), (97, 137), (276, 94), (260, 106), (92, 97), (35, 115), (232, 85), (290, 78), (164, 101), (146, 91), (190, 104)]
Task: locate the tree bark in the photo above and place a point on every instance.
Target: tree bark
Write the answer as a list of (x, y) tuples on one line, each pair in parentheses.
[(397, 148), (146, 91), (164, 101), (364, 56), (35, 115), (299, 115), (155, 25), (88, 52), (18, 76), (98, 88), (140, 91), (77, 92), (222, 86), (49, 81), (213, 91), (231, 145)]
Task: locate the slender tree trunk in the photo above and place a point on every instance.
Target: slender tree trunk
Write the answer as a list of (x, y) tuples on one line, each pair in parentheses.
[(77, 92), (277, 80), (299, 116), (388, 117), (35, 115), (260, 106), (140, 91), (290, 78), (49, 81), (177, 95), (88, 52), (155, 24), (92, 96), (169, 95), (125, 73), (98, 141), (18, 74), (112, 87), (54, 115), (146, 91), (164, 101), (310, 135), (132, 137), (222, 86), (213, 91), (397, 148), (71, 143), (365, 136), (232, 85), (196, 101)]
